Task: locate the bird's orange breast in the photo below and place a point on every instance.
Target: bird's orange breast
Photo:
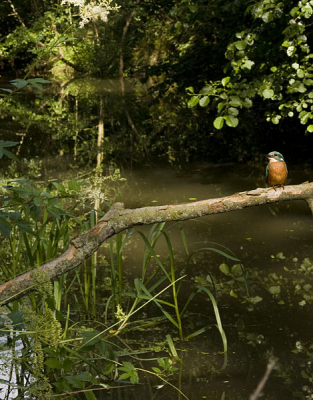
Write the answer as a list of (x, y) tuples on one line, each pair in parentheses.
[(277, 173)]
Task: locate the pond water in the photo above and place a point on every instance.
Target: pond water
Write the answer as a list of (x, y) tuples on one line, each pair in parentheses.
[(273, 242)]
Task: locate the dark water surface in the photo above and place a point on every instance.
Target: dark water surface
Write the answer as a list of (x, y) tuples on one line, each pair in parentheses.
[(272, 241), (274, 322)]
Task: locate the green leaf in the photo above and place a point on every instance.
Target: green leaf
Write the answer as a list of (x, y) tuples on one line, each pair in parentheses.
[(5, 227), (4, 143), (220, 106), (275, 120), (307, 11), (225, 80), (274, 290), (291, 51), (300, 73), (190, 89), (54, 363), (268, 93), (193, 8), (231, 121), (241, 45), (224, 268), (75, 382), (218, 122), (248, 64), (38, 80), (74, 184), (204, 101), (19, 83), (233, 111), (193, 101), (25, 227), (90, 395), (247, 103), (310, 128), (304, 117), (9, 155), (207, 90), (235, 101)]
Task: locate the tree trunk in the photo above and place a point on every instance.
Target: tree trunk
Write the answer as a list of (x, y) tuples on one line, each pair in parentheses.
[(118, 219)]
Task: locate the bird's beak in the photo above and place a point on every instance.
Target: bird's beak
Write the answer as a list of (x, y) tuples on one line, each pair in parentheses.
[(266, 155)]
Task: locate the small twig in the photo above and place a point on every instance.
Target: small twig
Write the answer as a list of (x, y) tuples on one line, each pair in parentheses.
[(255, 395)]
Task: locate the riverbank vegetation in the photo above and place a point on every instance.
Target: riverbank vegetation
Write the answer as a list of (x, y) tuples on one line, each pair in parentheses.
[(183, 70), (90, 87)]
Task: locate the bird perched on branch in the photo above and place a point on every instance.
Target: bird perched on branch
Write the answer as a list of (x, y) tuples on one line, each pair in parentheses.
[(276, 170)]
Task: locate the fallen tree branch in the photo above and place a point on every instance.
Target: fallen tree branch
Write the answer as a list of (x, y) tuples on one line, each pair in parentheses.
[(118, 219)]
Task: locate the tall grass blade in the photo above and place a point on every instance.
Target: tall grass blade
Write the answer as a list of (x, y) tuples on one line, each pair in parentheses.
[(151, 250), (172, 347), (217, 316), (146, 291), (222, 253)]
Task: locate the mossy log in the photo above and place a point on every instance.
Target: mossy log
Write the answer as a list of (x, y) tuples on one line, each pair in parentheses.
[(118, 219)]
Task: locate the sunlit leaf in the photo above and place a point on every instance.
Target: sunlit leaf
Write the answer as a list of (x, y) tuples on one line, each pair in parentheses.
[(225, 80), (204, 101), (218, 122), (310, 128), (193, 101), (268, 93), (241, 45), (231, 121)]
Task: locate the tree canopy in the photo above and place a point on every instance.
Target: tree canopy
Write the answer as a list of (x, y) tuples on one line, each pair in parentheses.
[(207, 66)]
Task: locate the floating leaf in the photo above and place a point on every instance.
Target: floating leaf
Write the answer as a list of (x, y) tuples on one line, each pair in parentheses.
[(274, 290), (224, 268)]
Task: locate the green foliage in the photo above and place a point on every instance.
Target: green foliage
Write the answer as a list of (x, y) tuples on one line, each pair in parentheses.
[(166, 367), (277, 69), (129, 372), (3, 151)]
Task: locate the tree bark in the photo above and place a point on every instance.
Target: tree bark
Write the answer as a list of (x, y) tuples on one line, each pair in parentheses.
[(117, 219)]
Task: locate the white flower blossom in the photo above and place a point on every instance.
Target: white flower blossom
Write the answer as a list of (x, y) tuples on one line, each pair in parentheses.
[(93, 10)]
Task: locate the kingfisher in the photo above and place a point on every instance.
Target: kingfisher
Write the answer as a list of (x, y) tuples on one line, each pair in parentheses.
[(276, 170)]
